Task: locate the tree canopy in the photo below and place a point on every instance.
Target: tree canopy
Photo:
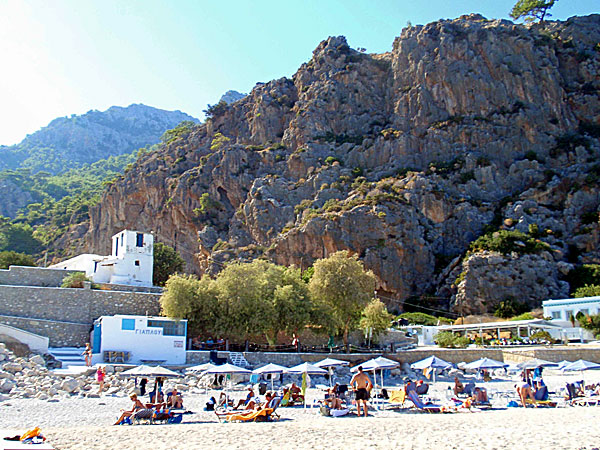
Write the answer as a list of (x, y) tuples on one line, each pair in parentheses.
[(532, 10), (10, 258), (342, 287), (376, 317), (166, 262)]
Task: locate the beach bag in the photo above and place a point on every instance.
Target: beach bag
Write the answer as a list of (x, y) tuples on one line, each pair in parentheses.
[(513, 404), (175, 419)]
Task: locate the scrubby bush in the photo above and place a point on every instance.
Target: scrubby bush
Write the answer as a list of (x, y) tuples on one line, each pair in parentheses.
[(580, 276), (589, 290), (419, 318), (524, 316), (74, 280), (447, 339), (506, 241), (510, 308)]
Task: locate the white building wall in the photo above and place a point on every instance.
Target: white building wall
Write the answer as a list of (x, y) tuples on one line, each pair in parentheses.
[(131, 262), (143, 342), (563, 309)]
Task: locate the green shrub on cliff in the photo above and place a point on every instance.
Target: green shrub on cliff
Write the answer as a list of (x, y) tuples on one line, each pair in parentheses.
[(589, 290), (10, 258), (506, 242), (419, 318)]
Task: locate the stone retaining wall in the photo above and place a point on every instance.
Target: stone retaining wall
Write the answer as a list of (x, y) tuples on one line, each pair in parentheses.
[(556, 354), (66, 315), (33, 276)]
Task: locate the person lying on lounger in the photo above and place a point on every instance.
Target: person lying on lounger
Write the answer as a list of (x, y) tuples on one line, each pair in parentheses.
[(245, 401), (137, 405)]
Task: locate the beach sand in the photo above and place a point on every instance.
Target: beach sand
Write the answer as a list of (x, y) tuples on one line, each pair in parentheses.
[(85, 423)]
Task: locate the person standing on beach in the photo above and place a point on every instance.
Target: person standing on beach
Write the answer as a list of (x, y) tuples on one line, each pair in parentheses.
[(87, 354), (362, 385)]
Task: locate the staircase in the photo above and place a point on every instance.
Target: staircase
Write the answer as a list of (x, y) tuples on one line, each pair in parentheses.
[(69, 356), (237, 359)]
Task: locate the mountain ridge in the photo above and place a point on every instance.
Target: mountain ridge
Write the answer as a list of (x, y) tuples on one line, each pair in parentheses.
[(467, 127)]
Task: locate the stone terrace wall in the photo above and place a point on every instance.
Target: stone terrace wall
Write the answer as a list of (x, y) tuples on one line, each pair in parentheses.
[(64, 315), (555, 354), (33, 276)]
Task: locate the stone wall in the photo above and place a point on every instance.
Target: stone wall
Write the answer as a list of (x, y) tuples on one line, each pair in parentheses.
[(569, 353), (33, 276), (65, 315)]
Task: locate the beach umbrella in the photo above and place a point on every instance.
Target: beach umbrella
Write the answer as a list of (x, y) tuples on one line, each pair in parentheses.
[(227, 369), (329, 364), (534, 363), (485, 364), (581, 365), (306, 369), (432, 362), (149, 371), (270, 369), (201, 367), (563, 363)]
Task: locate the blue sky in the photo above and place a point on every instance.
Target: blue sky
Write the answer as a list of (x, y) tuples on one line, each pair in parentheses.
[(64, 57)]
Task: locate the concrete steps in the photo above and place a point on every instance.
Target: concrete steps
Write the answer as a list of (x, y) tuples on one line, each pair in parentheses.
[(69, 356)]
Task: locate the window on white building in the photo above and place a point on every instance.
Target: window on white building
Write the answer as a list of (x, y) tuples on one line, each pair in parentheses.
[(137, 263), (169, 328), (139, 240), (556, 314), (585, 312)]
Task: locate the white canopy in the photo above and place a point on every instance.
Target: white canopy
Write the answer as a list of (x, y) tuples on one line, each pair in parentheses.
[(485, 363), (201, 367), (310, 369), (331, 362), (227, 368), (270, 368), (432, 362), (149, 371)]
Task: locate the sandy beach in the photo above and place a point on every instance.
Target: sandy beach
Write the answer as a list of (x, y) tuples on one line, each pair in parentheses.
[(85, 423)]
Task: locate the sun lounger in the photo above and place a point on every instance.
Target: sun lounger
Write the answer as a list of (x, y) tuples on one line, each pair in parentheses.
[(429, 407), (397, 399)]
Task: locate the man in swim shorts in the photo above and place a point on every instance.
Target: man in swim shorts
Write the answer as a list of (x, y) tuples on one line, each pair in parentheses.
[(362, 385)]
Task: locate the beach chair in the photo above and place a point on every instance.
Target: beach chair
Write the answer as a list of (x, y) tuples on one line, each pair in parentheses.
[(397, 399), (429, 408), (143, 416)]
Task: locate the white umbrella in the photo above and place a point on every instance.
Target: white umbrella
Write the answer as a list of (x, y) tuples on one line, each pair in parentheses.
[(227, 369), (330, 363), (149, 371), (432, 362), (201, 367), (379, 363), (309, 369), (485, 364), (534, 363), (271, 369)]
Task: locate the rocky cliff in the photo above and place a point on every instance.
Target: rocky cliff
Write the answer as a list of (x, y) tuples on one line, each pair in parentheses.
[(467, 126), (69, 142)]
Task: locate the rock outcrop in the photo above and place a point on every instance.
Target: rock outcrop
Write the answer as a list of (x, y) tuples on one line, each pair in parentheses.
[(405, 158)]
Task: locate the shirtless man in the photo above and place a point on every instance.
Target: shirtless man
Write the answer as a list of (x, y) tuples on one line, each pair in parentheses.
[(362, 385)]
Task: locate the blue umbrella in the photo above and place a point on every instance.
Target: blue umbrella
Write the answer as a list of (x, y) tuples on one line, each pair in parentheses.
[(432, 362)]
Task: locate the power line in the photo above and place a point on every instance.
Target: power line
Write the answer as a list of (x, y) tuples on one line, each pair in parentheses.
[(420, 306)]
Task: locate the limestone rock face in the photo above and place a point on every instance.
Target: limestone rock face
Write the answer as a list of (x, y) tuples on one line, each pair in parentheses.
[(488, 278), (403, 158)]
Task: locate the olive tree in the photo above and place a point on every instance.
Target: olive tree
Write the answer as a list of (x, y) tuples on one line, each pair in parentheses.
[(342, 287), (187, 297), (376, 317)]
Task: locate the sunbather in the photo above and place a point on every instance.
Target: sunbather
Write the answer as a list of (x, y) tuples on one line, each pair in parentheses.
[(137, 406), (524, 391), (174, 400), (245, 401), (458, 386), (479, 396), (296, 393)]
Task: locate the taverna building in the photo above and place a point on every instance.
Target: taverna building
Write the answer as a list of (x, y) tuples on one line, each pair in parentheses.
[(130, 263)]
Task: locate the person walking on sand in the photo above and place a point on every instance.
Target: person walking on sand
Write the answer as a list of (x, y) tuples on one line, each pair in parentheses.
[(100, 374), (87, 354), (362, 385)]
